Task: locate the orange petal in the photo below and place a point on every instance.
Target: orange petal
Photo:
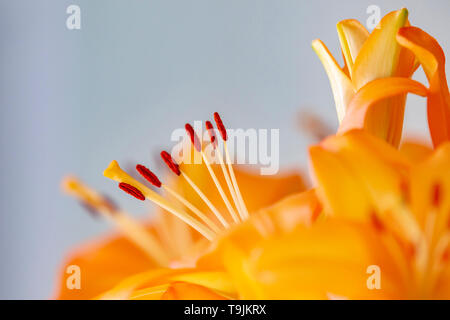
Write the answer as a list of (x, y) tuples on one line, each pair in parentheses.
[(364, 111), (359, 176), (356, 173), (432, 59), (153, 283), (415, 150), (329, 259), (284, 216), (338, 188), (103, 264)]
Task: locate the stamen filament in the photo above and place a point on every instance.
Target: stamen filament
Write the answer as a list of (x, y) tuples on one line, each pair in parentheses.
[(205, 199), (223, 132), (191, 207), (153, 179), (197, 147), (235, 184), (229, 183), (219, 188)]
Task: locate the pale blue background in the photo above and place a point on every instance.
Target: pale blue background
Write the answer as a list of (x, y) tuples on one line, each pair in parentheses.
[(71, 101)]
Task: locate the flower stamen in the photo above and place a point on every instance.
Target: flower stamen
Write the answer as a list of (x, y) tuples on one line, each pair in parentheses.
[(170, 162), (223, 133), (194, 140), (124, 222), (153, 179), (231, 189), (116, 173)]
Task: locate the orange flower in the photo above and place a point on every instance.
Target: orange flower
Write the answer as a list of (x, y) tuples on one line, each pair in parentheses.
[(366, 184), (378, 211), (178, 233), (376, 225), (368, 57)]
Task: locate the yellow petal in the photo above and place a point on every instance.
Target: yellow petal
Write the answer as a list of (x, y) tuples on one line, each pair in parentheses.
[(352, 36), (338, 188), (432, 59), (378, 58), (341, 85), (330, 258), (361, 177)]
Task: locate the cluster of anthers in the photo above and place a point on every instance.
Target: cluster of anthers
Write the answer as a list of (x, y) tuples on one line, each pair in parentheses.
[(198, 220)]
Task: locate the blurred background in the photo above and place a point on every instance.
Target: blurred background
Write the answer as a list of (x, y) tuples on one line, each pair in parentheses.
[(73, 100)]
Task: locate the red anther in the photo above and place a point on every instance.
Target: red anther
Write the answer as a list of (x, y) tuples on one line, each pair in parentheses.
[(170, 163), (194, 139), (211, 132), (220, 126), (135, 192), (148, 175), (436, 194)]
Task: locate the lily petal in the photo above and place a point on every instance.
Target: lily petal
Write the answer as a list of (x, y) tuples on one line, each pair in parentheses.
[(352, 36), (365, 112), (378, 58), (341, 84), (331, 257), (103, 264), (432, 59)]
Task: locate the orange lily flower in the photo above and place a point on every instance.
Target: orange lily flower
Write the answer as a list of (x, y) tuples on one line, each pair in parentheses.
[(377, 208), (373, 209), (364, 183), (368, 57), (164, 240)]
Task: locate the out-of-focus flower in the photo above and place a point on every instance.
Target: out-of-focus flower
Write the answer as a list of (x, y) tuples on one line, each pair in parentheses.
[(404, 205)]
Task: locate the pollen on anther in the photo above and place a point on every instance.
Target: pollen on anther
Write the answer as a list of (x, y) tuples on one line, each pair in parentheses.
[(148, 175), (170, 162), (135, 192), (211, 133), (220, 126), (194, 139)]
